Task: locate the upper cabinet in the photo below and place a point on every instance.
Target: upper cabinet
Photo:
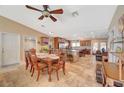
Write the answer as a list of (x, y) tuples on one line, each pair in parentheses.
[(56, 42), (85, 43), (60, 43)]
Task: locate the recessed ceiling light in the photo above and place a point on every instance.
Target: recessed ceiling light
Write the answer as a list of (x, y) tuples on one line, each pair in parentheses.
[(42, 25)]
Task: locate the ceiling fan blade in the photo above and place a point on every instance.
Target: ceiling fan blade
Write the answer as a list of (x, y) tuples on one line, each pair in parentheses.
[(30, 7), (58, 11), (41, 17), (45, 7), (53, 18)]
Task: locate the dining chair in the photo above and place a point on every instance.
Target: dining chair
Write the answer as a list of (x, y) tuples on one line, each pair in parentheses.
[(36, 65), (28, 61), (59, 65), (33, 51)]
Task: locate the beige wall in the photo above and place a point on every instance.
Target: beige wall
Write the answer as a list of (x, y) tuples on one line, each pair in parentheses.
[(7, 25), (0, 51), (118, 13)]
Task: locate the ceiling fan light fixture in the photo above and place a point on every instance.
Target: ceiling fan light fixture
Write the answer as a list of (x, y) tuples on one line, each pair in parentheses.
[(46, 13)]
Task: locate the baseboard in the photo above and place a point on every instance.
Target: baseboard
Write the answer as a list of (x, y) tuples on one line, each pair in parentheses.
[(9, 65)]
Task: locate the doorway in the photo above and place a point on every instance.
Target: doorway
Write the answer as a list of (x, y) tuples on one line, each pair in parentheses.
[(10, 49)]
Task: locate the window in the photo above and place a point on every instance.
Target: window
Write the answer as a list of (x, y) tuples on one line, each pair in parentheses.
[(103, 45), (95, 47), (75, 44), (30, 42)]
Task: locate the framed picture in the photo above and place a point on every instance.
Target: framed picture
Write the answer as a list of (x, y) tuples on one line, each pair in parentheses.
[(44, 40)]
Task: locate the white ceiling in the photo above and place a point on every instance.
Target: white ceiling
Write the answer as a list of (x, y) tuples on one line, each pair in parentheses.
[(92, 21)]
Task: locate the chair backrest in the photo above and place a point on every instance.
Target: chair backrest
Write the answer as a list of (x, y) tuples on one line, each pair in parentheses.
[(62, 59), (34, 60), (27, 57), (33, 51)]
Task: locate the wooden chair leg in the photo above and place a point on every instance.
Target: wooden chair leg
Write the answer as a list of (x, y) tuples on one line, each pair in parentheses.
[(31, 68), (32, 72), (27, 66), (57, 74), (38, 75), (42, 69), (49, 72), (64, 70)]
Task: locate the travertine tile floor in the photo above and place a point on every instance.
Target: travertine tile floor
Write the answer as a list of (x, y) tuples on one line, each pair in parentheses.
[(78, 74)]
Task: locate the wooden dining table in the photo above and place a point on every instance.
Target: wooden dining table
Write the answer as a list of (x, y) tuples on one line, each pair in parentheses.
[(48, 59)]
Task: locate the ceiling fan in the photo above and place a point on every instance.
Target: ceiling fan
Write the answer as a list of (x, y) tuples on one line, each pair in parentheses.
[(46, 12)]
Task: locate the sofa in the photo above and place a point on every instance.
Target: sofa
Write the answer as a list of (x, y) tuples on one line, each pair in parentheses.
[(84, 52)]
